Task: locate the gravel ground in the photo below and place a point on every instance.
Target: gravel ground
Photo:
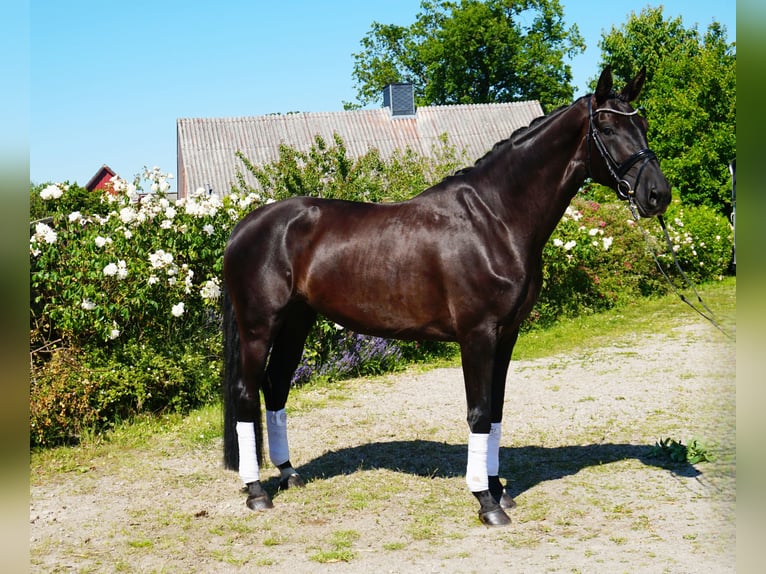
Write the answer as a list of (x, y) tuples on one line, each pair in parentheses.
[(384, 466)]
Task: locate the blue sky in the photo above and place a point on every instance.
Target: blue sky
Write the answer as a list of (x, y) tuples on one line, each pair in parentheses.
[(109, 79)]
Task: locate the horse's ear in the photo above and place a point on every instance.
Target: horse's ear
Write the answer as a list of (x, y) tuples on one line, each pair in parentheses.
[(631, 91), (604, 86)]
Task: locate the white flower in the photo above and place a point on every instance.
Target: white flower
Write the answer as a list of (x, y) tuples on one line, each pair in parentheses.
[(170, 212), (160, 259), (122, 269), (87, 304), (177, 310), (110, 270), (593, 232), (573, 213), (211, 290), (153, 279), (127, 233), (115, 331), (557, 242), (101, 241), (166, 224), (75, 216), (209, 229), (188, 280), (44, 233), (51, 192), (128, 214), (569, 244), (607, 241)]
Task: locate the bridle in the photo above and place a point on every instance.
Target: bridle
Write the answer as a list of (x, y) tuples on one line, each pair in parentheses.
[(618, 170), (626, 192)]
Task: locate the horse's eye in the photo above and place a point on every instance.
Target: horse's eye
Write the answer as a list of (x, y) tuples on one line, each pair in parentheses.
[(607, 130)]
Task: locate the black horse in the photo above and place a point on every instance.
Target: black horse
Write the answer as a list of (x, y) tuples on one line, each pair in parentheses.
[(460, 262)]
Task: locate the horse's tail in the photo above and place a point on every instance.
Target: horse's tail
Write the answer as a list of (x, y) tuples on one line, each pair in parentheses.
[(231, 390)]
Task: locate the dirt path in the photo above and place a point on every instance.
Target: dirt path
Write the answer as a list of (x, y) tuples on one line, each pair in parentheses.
[(386, 493)]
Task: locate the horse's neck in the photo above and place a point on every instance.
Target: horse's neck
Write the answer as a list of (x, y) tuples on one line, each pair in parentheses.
[(539, 175)]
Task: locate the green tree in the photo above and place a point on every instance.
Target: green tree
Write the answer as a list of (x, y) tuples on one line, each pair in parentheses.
[(689, 99), (473, 51)]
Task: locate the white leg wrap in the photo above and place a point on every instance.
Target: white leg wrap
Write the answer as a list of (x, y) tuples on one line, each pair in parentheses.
[(248, 462), (493, 449), (276, 427), (476, 470)]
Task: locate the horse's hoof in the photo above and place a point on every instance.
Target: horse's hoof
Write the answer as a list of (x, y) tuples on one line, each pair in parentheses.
[(499, 494), (506, 502), (262, 502), (292, 481), (257, 497), (494, 517)]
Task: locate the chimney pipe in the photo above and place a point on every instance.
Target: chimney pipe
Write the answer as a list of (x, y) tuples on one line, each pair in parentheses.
[(399, 98)]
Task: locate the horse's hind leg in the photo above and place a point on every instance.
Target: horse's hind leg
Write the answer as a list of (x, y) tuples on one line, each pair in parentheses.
[(253, 351), (285, 355)]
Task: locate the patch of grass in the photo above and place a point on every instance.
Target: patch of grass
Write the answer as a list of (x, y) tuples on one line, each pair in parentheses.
[(658, 316), (340, 544), (641, 522), (272, 541), (228, 557), (619, 540), (426, 525)]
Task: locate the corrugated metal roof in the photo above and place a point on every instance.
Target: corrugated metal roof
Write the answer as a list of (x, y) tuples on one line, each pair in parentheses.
[(207, 146)]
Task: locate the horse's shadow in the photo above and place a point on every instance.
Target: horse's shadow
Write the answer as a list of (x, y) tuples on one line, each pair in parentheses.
[(526, 466)]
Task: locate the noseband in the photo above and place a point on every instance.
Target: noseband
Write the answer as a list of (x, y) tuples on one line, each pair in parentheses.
[(618, 170)]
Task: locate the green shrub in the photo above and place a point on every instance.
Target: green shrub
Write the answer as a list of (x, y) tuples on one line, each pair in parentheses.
[(123, 304), (704, 241), (598, 257)]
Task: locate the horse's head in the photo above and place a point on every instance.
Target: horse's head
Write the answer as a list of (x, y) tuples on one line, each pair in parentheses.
[(617, 150)]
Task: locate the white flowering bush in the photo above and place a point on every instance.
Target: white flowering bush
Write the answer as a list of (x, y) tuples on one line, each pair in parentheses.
[(702, 241), (142, 269), (125, 294)]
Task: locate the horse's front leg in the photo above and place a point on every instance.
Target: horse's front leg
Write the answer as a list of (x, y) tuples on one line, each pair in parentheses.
[(499, 376), (478, 359)]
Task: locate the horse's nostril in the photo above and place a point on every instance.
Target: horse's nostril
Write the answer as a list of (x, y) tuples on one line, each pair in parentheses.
[(653, 197)]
